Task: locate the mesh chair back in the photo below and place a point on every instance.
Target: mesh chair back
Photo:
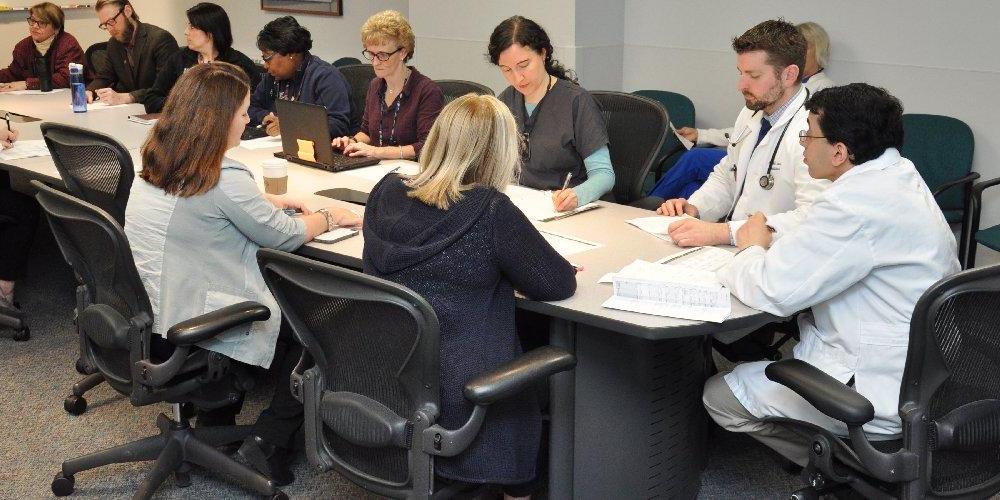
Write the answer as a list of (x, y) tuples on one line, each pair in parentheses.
[(636, 131), (367, 336), (94, 166), (453, 89), (95, 246), (346, 61), (680, 109), (941, 147), (95, 60), (358, 77), (950, 397)]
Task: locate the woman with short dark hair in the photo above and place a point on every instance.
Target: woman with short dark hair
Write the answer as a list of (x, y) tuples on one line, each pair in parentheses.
[(47, 51), (209, 38), (294, 74), (195, 220)]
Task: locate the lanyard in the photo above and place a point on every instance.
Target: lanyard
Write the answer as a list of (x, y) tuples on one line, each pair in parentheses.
[(530, 120), (381, 117)]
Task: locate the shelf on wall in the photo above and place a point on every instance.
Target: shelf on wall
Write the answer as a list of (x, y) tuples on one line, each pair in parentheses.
[(71, 6)]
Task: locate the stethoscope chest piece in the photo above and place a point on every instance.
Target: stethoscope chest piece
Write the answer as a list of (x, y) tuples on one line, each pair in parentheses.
[(766, 181)]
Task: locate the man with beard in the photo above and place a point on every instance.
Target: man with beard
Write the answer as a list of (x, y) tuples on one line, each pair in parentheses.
[(763, 169), (137, 52)]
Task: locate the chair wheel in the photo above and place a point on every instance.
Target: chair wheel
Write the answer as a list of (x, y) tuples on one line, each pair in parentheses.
[(278, 495), (805, 494), (22, 334), (775, 356), (81, 367), (75, 405), (62, 485)]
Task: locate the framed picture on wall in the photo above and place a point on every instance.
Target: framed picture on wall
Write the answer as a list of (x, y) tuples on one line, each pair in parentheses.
[(319, 7)]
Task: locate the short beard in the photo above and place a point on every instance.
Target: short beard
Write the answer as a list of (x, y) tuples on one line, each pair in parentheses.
[(129, 31), (772, 96)]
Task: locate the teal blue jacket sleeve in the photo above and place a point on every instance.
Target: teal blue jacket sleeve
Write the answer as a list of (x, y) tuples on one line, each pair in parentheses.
[(600, 177)]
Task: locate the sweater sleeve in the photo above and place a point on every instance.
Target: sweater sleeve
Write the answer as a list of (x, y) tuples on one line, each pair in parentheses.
[(165, 80), (17, 70), (600, 177), (526, 259), (332, 92), (428, 107), (68, 52), (261, 101)]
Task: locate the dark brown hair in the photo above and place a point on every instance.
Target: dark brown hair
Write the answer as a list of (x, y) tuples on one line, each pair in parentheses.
[(183, 154), (780, 39), (526, 33), (121, 5)]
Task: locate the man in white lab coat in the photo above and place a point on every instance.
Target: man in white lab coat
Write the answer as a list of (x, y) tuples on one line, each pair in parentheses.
[(762, 169), (871, 244)]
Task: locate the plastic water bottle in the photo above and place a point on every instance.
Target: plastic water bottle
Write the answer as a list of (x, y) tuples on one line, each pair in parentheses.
[(78, 88)]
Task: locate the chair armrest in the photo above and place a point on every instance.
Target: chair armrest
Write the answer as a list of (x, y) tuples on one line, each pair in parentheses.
[(968, 179), (982, 186), (210, 324), (511, 378), (826, 393)]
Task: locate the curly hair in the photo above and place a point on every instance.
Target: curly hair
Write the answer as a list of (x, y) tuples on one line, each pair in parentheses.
[(389, 24)]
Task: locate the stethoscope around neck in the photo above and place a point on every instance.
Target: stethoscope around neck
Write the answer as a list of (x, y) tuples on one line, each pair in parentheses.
[(766, 181)]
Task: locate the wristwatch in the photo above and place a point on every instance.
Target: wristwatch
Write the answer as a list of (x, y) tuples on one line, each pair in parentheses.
[(330, 223)]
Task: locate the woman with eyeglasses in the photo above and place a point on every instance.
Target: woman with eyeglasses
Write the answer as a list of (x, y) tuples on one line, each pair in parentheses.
[(564, 137), (209, 38), (401, 103), (294, 74), (44, 54)]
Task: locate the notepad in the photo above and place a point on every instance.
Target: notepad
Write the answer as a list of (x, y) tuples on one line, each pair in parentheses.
[(684, 142), (670, 290), (567, 245), (25, 149), (33, 92), (703, 258), (657, 225), (99, 105), (537, 205)]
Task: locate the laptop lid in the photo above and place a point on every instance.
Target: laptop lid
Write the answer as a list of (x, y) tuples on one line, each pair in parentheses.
[(302, 121)]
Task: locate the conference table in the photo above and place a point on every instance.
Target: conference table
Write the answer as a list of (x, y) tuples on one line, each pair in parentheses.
[(627, 422)]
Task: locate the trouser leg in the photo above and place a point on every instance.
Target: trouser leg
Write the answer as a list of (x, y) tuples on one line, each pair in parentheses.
[(278, 423), (15, 236), (730, 414)]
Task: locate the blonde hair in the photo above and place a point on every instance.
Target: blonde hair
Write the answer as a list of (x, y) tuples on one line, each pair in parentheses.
[(820, 41), (49, 12), (473, 142), (389, 24)]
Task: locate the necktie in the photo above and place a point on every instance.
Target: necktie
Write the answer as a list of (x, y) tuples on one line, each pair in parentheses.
[(765, 126)]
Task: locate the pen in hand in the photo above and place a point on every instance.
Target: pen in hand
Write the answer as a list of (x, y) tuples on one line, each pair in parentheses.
[(566, 182)]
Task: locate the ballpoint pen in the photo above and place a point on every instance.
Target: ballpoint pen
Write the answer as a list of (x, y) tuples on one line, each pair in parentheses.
[(566, 182)]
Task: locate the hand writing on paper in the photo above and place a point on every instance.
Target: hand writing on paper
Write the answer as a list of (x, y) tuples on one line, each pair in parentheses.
[(271, 125), (112, 98), (564, 200), (754, 231), (698, 233)]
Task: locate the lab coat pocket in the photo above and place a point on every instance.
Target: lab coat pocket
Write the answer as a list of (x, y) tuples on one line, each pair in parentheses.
[(218, 297), (880, 369)]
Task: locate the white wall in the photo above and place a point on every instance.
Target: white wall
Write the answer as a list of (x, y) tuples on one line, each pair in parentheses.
[(937, 57)]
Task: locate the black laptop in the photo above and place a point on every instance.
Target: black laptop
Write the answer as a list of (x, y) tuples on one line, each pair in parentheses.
[(301, 121)]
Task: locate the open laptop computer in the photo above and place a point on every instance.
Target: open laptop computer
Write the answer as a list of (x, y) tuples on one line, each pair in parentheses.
[(301, 121)]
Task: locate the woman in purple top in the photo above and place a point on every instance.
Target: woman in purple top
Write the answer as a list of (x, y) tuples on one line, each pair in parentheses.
[(402, 103)]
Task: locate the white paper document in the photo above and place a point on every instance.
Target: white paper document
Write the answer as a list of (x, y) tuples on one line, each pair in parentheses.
[(33, 92), (657, 225), (25, 149), (684, 142), (704, 258), (669, 290), (262, 143), (336, 234), (377, 172), (99, 105), (567, 245), (537, 204)]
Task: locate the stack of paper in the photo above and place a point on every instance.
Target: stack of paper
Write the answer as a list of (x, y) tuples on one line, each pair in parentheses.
[(537, 204), (566, 245), (669, 290), (657, 225), (33, 92), (704, 258), (262, 143), (99, 105), (25, 149)]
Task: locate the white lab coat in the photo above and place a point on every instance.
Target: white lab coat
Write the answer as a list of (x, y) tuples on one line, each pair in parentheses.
[(794, 190), (873, 242), (720, 136)]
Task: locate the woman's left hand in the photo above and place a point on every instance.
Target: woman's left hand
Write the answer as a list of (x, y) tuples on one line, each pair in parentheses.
[(360, 149), (345, 217), (283, 201), (564, 199)]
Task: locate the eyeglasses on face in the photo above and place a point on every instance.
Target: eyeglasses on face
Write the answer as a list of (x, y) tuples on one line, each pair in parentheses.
[(32, 22), (267, 58), (804, 134), (382, 56), (111, 22)]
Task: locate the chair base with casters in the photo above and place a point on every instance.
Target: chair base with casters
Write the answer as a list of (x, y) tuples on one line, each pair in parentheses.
[(75, 403), (176, 448)]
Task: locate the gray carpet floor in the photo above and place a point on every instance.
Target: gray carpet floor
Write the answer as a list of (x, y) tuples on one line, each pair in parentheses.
[(36, 434)]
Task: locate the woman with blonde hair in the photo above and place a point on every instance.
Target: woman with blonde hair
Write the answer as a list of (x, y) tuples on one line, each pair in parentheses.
[(450, 234), (401, 103), (195, 220)]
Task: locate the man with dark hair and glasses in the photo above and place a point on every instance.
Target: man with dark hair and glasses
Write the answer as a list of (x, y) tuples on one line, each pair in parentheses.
[(44, 54), (137, 52), (295, 74), (869, 247)]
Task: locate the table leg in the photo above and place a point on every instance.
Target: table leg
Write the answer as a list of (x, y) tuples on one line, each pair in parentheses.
[(562, 409)]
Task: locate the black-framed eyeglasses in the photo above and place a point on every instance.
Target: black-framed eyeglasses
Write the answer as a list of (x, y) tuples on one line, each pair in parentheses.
[(804, 134), (111, 22), (36, 22), (382, 56)]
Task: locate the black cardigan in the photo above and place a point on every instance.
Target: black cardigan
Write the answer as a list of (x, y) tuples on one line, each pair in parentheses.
[(184, 59)]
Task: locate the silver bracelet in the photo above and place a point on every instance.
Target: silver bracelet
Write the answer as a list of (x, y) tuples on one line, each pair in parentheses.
[(330, 224)]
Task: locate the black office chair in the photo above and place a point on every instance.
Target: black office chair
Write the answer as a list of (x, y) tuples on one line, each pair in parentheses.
[(949, 402), (369, 376), (117, 327), (13, 319), (637, 127), (453, 89), (95, 60), (97, 169), (346, 61), (358, 77)]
